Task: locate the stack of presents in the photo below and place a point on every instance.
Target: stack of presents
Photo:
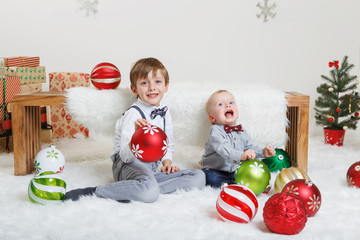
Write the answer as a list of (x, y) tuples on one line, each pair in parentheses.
[(25, 75)]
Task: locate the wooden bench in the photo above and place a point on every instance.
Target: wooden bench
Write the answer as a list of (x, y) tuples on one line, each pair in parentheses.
[(26, 124)]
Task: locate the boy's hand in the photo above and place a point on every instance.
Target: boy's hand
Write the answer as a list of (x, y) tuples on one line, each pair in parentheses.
[(248, 154), (168, 167), (269, 151), (139, 123)]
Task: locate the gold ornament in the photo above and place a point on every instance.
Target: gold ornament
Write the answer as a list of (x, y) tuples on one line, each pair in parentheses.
[(350, 105), (356, 82), (345, 127), (286, 175), (331, 89)]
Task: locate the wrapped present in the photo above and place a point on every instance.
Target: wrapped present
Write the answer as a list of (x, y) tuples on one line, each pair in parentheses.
[(28, 75), (61, 120), (2, 67), (9, 86), (36, 87), (23, 62)]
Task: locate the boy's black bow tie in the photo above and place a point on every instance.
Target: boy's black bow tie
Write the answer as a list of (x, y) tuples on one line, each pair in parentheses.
[(229, 129), (158, 111)]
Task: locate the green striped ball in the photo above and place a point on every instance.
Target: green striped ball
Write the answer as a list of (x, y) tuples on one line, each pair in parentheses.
[(47, 188)]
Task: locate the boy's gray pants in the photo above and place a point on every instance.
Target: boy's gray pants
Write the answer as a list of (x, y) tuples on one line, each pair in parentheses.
[(139, 181)]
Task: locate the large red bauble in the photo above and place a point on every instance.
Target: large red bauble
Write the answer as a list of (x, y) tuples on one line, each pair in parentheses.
[(105, 76), (307, 192), (353, 175), (237, 203), (285, 213), (149, 143)]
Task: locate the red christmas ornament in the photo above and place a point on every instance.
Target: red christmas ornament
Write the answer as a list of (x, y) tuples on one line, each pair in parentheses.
[(285, 213), (356, 114), (337, 110), (307, 192), (330, 119), (353, 175), (105, 76), (149, 143), (237, 203)]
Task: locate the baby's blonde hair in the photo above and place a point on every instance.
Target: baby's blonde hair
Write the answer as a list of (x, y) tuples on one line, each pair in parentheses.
[(211, 96)]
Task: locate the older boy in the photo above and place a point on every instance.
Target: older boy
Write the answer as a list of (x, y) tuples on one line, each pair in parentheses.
[(228, 144), (137, 180)]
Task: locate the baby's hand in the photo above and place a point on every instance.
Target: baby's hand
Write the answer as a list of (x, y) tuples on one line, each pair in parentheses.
[(139, 123), (269, 151), (248, 154)]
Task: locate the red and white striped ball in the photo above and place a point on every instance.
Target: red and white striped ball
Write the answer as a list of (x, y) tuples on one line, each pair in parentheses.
[(105, 76), (237, 203)]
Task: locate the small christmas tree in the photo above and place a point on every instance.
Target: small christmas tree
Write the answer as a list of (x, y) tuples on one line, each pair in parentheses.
[(338, 104)]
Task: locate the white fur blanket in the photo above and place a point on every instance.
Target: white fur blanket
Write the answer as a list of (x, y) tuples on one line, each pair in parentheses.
[(262, 110)]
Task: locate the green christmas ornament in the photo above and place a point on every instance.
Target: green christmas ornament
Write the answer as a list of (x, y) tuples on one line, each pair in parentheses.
[(279, 161), (47, 188), (253, 174)]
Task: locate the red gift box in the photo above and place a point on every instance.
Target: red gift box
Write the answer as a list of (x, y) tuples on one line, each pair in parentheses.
[(23, 62), (11, 85), (61, 120)]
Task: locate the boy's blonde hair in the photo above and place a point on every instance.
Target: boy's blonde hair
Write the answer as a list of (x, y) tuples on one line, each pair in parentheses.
[(142, 68), (209, 100)]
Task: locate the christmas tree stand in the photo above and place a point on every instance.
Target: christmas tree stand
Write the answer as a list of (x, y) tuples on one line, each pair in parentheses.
[(334, 137)]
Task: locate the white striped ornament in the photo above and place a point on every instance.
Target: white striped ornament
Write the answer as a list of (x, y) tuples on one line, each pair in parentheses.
[(237, 203), (47, 188)]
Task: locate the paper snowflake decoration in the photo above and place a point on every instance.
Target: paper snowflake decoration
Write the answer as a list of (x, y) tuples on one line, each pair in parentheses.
[(88, 7), (266, 10)]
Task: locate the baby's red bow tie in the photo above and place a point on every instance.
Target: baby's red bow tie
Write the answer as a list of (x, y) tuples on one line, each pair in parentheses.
[(229, 129)]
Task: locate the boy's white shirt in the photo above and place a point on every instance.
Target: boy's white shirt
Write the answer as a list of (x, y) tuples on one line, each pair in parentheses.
[(125, 129)]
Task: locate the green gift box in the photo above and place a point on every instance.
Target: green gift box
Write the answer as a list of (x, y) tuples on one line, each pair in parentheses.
[(29, 75)]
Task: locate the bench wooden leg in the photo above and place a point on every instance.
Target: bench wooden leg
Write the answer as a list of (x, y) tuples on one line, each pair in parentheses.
[(26, 136), (298, 131)]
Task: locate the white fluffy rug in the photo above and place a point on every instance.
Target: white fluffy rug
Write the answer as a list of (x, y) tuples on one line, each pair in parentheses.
[(181, 215)]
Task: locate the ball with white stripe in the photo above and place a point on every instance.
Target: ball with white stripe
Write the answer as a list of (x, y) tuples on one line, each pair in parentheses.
[(237, 203), (47, 188)]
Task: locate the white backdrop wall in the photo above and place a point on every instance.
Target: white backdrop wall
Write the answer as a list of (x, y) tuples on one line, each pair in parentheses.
[(197, 40)]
